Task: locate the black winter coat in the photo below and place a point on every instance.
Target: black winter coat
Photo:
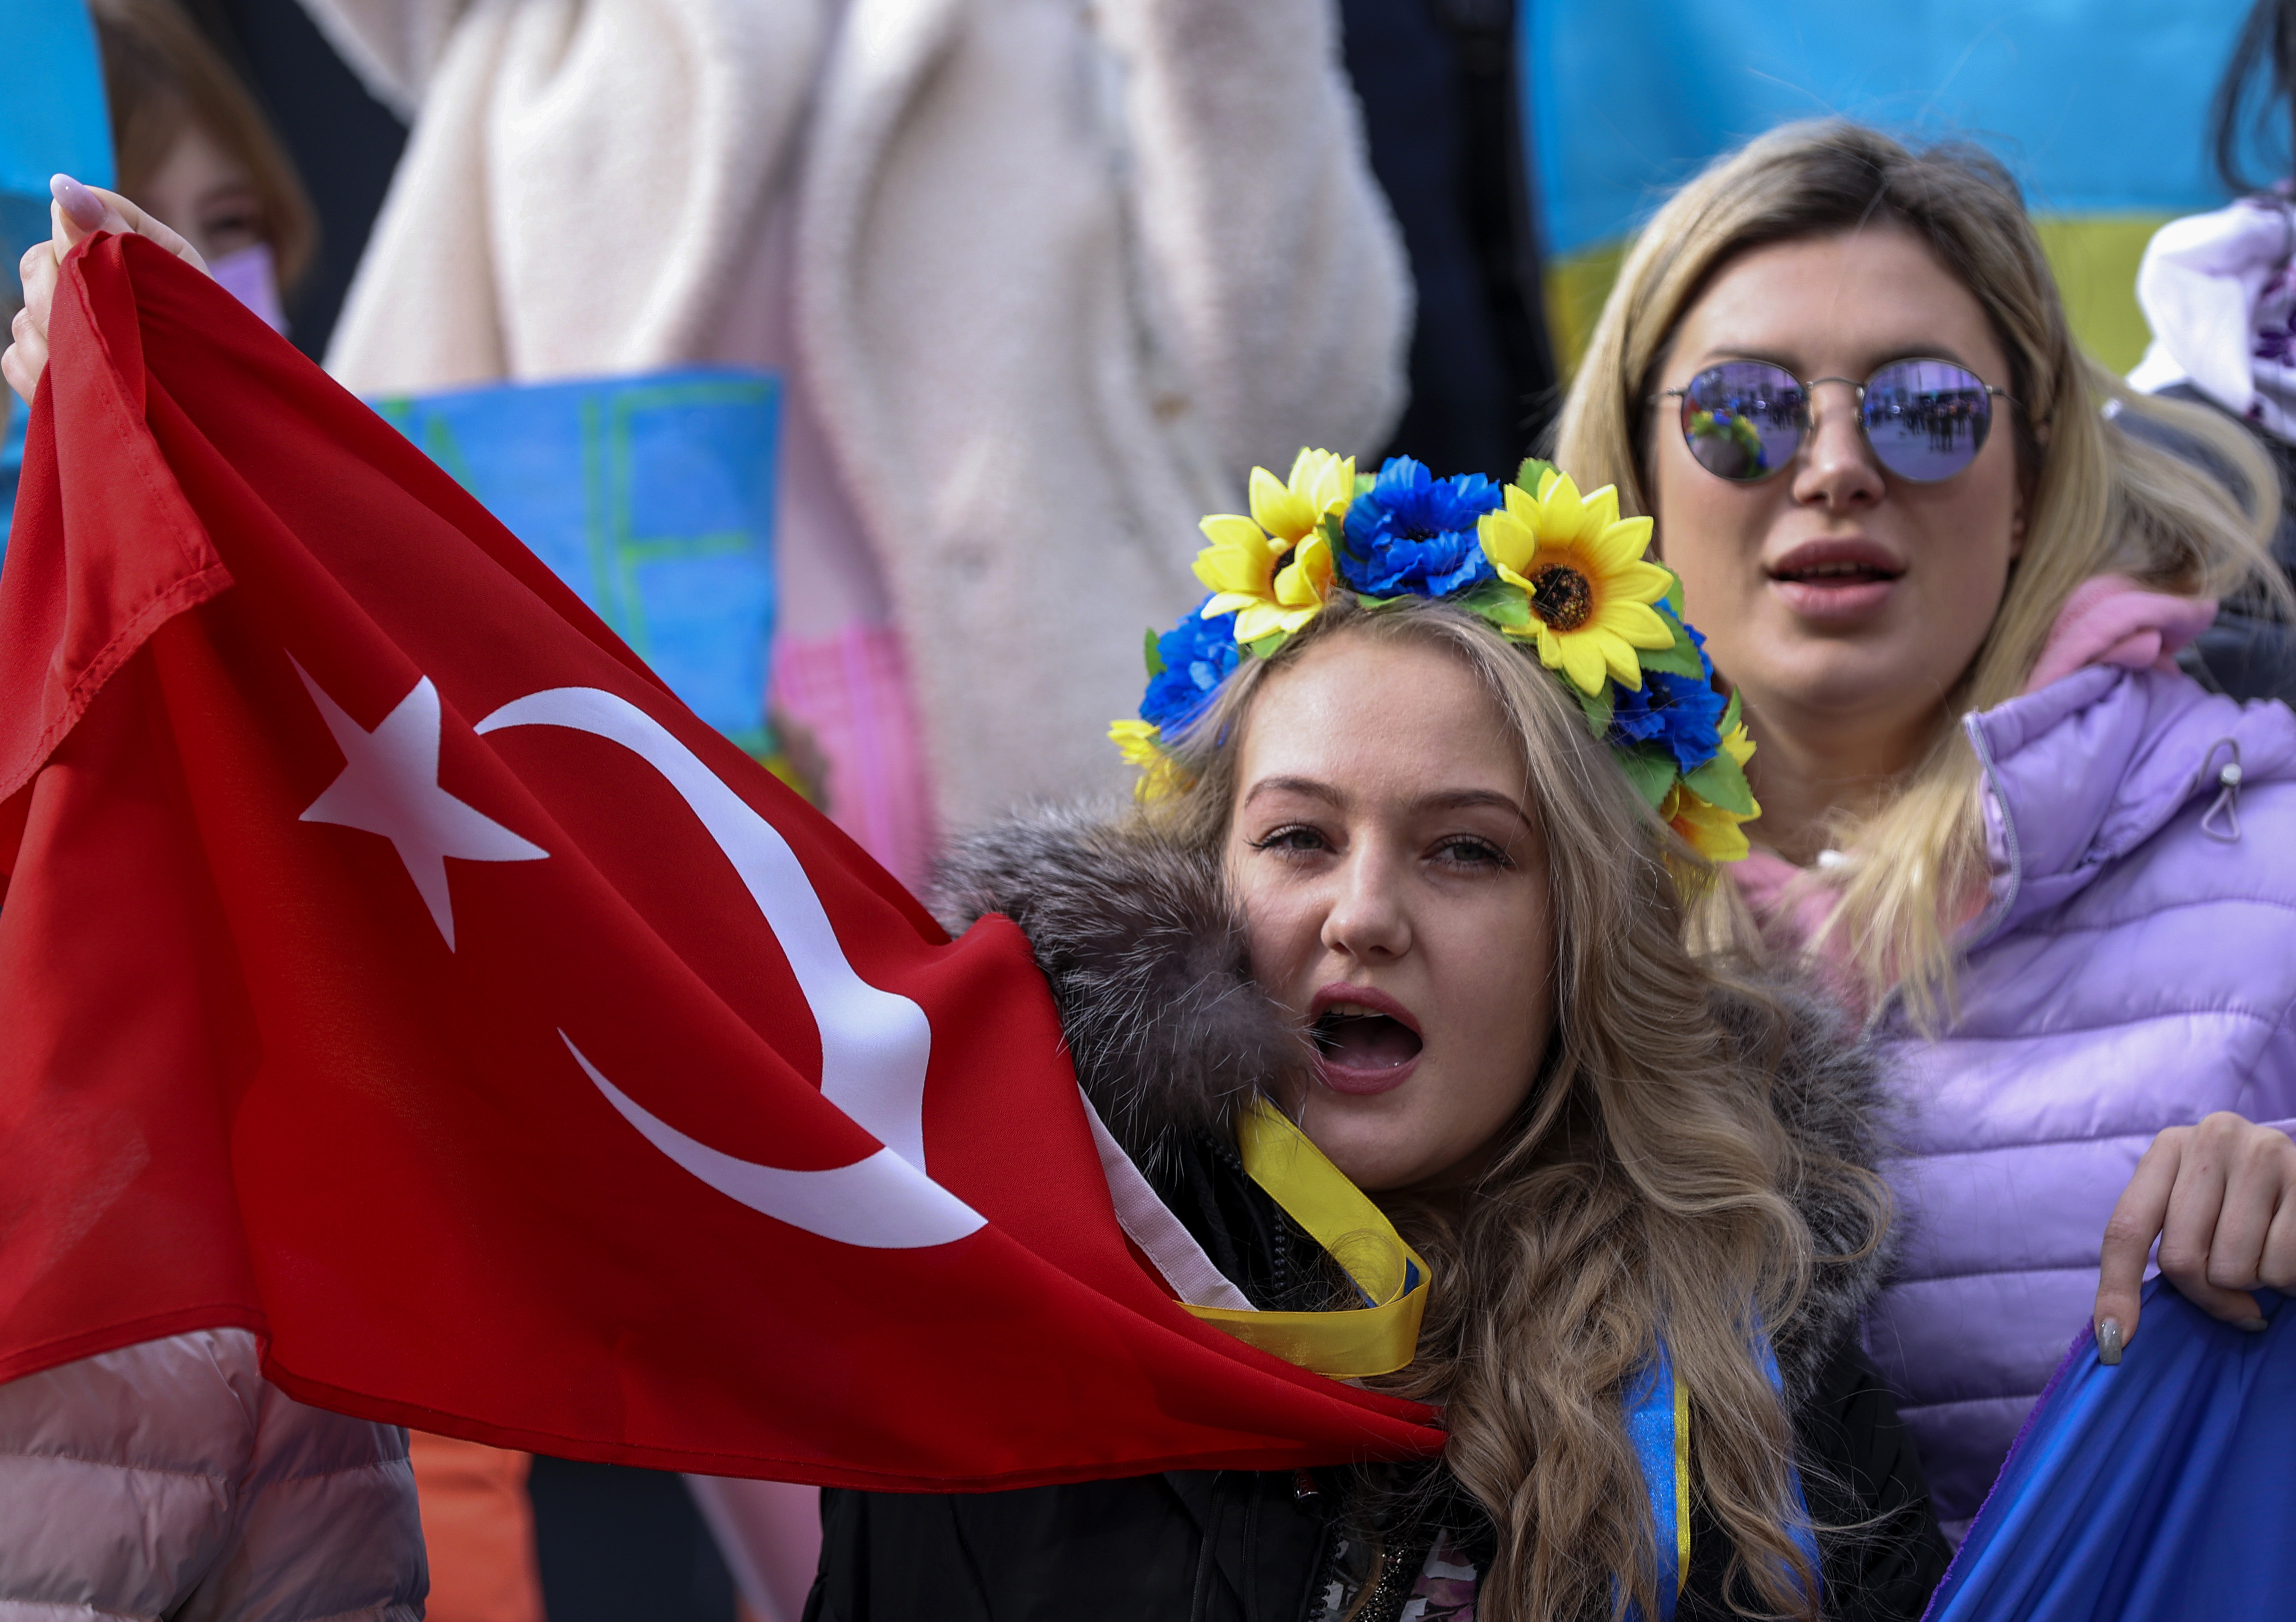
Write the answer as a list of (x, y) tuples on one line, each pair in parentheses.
[(1168, 1033)]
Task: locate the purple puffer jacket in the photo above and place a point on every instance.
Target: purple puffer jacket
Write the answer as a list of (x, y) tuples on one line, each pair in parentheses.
[(2135, 969)]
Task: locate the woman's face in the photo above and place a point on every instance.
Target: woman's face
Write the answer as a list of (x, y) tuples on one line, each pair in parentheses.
[(206, 194), (1394, 889), (1835, 596)]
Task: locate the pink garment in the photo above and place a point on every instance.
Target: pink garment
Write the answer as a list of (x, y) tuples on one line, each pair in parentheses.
[(2108, 620), (850, 692), (1792, 918), (2111, 620)]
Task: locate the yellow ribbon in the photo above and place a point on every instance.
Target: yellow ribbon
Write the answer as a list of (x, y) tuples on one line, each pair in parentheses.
[(1377, 1339)]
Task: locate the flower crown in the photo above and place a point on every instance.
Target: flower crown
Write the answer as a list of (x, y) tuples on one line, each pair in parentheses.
[(1543, 564)]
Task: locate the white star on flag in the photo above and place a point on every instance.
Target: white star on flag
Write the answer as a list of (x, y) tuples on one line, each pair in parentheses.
[(389, 786)]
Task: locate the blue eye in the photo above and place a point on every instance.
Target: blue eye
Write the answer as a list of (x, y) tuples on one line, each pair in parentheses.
[(1292, 839), (1469, 853)]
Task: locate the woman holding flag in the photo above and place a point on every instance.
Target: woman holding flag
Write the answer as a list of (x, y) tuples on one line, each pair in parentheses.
[(1408, 1078), (2046, 865), (1427, 785)]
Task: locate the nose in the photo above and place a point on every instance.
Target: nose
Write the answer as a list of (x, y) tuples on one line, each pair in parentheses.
[(1369, 919), (1836, 468)]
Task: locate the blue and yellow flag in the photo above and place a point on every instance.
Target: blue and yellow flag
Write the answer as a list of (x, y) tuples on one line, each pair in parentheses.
[(2099, 107)]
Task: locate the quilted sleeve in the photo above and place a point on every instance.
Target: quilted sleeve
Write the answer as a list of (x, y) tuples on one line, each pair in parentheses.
[(115, 1481), (170, 1479)]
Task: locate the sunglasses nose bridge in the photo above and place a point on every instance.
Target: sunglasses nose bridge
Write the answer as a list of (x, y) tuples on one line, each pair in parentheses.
[(1811, 417), (1814, 417)]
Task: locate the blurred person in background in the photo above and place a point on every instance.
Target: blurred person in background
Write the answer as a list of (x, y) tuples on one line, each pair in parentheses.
[(195, 150), (192, 147), (2218, 291), (2048, 867)]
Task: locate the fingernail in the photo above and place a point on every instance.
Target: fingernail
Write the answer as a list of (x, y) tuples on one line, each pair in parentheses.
[(85, 207), (2108, 1341), (2254, 1326)]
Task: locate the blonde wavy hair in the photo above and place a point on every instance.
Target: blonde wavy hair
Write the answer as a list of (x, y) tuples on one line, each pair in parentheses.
[(2098, 500), (1647, 1181)]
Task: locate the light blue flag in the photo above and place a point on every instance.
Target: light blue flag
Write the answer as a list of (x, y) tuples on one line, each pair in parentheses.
[(52, 116), (2161, 1490), (652, 496), (54, 119)]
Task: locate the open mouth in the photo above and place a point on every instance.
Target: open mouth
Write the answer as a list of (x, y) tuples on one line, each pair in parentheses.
[(1358, 1041), (1843, 572)]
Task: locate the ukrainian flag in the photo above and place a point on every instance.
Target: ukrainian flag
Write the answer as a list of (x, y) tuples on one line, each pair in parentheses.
[(2099, 107)]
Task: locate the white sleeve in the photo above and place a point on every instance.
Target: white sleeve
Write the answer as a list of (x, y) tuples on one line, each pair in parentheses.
[(1277, 274), (393, 45)]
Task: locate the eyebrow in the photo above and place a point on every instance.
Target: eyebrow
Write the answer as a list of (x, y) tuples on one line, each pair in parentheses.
[(1456, 799), (1910, 352)]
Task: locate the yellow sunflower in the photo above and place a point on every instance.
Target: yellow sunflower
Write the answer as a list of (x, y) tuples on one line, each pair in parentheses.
[(1141, 744), (1581, 566), (1272, 569), (1713, 832)]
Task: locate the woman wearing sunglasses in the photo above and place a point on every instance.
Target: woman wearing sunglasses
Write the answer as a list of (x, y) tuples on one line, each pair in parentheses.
[(2052, 870)]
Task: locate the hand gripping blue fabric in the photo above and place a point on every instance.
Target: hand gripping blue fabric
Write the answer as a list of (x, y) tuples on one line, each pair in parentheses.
[(2162, 1488)]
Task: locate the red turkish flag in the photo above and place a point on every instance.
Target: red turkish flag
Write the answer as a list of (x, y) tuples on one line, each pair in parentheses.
[(392, 967)]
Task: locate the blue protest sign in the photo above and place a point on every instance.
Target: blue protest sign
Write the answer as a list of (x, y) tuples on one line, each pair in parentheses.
[(652, 497)]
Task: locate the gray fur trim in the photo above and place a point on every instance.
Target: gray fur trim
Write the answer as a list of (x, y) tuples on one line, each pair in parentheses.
[(1169, 1033), (1146, 957), (1827, 1087)]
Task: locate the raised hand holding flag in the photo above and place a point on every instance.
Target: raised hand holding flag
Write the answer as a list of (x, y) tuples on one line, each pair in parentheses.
[(396, 969)]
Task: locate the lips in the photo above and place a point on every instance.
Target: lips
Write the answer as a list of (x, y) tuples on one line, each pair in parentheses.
[(1366, 1040), (1844, 579)]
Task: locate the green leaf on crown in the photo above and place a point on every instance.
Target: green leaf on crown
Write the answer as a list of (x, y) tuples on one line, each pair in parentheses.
[(1722, 782), (1155, 658), (1680, 660), (1731, 717), (1264, 647), (1597, 708), (1650, 767), (1528, 475), (1502, 605), (1673, 591)]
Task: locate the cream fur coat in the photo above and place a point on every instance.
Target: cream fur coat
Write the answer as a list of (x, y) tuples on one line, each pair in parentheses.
[(1064, 271)]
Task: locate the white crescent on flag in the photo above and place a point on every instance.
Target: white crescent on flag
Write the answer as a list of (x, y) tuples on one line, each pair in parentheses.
[(875, 1043)]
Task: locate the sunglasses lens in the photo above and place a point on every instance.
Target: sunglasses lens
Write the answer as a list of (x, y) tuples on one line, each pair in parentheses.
[(1744, 419), (1926, 419)]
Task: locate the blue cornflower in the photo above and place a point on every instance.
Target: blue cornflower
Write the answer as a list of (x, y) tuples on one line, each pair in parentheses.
[(1411, 532), (1197, 655), (1684, 713)]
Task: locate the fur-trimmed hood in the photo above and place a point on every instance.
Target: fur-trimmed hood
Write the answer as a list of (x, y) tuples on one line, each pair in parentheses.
[(1169, 1032)]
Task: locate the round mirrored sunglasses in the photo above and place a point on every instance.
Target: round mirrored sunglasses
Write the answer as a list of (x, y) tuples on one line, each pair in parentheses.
[(1926, 420)]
